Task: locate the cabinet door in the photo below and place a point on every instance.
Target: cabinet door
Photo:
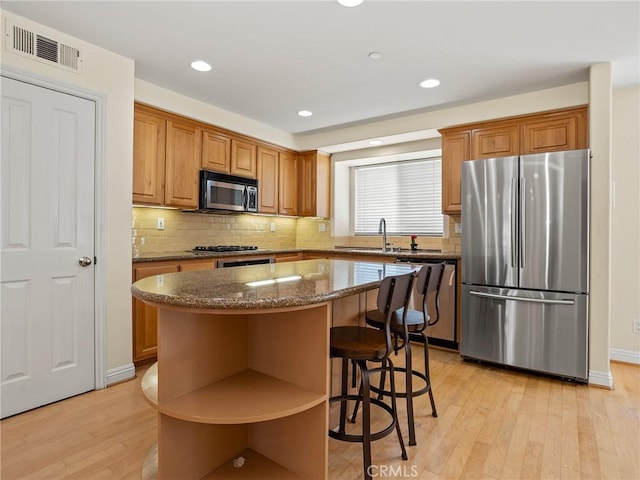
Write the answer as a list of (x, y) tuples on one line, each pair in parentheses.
[(145, 317), (195, 265), (455, 150), (149, 133), (555, 132), (243, 159), (494, 142), (267, 180), (315, 184), (216, 152), (182, 164), (308, 199), (288, 184)]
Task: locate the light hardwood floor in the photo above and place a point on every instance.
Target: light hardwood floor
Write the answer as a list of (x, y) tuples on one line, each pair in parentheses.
[(492, 423)]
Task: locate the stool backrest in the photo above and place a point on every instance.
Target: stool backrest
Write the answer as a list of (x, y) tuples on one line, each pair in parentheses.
[(394, 292), (429, 281)]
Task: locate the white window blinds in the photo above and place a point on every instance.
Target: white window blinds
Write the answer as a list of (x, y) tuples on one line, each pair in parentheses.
[(406, 194)]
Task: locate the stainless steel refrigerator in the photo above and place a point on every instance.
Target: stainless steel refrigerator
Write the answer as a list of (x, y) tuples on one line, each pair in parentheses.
[(525, 262)]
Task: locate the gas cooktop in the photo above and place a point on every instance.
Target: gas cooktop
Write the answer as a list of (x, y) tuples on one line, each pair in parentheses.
[(224, 248)]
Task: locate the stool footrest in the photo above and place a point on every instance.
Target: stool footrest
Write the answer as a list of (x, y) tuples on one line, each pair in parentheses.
[(415, 393), (348, 437)]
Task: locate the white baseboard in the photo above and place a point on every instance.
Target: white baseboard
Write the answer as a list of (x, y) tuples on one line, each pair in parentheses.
[(602, 379), (120, 374), (626, 356)]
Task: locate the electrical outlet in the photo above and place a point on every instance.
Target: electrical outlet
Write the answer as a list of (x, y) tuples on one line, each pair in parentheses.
[(160, 223), (458, 228), (636, 326), (322, 227), (273, 227)]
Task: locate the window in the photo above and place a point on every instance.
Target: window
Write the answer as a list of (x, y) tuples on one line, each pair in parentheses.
[(406, 194)]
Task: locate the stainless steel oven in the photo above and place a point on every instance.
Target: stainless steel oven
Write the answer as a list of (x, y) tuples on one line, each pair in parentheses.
[(240, 262)]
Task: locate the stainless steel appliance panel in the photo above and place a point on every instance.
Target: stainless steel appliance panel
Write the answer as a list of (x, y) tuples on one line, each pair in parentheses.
[(554, 219), (489, 221), (541, 331), (444, 332)]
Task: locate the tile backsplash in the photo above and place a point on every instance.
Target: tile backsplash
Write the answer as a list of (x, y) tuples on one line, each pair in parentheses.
[(183, 231)]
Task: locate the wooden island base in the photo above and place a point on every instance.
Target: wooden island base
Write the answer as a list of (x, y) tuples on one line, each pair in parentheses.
[(248, 374)]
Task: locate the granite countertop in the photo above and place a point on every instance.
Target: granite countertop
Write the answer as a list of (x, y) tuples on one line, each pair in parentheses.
[(389, 256), (278, 285)]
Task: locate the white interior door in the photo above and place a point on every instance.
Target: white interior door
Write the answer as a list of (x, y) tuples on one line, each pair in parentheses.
[(47, 177)]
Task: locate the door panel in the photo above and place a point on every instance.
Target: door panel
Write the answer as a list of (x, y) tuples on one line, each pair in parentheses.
[(546, 337), (489, 241), (555, 221), (47, 225)]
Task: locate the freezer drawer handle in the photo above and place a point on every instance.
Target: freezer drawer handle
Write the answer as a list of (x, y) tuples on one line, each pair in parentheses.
[(522, 299)]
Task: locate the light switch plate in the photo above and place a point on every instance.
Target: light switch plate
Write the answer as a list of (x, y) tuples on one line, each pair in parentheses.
[(273, 227), (160, 225), (322, 227), (458, 228)]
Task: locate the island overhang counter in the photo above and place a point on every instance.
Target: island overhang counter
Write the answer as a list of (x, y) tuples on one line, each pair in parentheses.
[(243, 375)]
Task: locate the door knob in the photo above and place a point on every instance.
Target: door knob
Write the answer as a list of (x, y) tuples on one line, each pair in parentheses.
[(84, 261)]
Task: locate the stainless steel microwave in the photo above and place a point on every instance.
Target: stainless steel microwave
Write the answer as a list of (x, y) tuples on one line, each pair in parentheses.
[(221, 192)]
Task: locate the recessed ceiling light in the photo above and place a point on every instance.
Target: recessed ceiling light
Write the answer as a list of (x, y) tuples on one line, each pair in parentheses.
[(200, 66), (375, 55), (430, 83), (305, 113), (350, 3), (375, 142)]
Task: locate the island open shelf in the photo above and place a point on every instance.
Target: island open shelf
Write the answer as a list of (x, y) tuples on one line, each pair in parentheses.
[(245, 397), (236, 381)]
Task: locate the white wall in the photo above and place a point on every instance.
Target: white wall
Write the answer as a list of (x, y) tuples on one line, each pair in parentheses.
[(625, 225), (111, 75)]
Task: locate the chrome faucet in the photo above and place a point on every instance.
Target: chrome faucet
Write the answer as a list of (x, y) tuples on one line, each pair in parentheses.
[(382, 230)]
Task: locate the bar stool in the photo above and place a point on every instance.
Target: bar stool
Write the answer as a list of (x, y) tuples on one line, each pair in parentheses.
[(361, 345), (407, 325)]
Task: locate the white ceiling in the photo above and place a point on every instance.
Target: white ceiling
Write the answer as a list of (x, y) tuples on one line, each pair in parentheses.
[(273, 58)]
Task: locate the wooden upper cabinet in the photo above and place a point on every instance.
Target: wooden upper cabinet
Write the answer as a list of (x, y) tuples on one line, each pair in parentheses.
[(243, 158), (149, 134), (287, 184), (455, 150), (315, 184), (494, 142), (565, 129), (182, 164), (555, 132), (216, 152), (267, 180)]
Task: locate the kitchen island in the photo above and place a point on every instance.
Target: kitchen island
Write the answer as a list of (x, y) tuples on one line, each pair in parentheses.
[(243, 374)]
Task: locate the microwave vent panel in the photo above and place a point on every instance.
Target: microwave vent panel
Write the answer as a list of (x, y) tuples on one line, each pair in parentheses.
[(39, 47)]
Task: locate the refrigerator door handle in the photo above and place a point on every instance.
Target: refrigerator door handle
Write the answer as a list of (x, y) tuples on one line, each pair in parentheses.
[(523, 222), (514, 225), (521, 299)]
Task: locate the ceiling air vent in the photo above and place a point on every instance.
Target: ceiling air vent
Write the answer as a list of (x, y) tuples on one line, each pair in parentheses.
[(39, 47)]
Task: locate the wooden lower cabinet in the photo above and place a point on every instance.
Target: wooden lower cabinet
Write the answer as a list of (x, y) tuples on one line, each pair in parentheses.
[(145, 317), (287, 257)]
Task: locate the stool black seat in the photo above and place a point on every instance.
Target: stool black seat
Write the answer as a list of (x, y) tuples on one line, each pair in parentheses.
[(361, 345)]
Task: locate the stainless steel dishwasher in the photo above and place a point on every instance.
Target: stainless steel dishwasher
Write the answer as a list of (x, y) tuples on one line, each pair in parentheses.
[(444, 333)]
